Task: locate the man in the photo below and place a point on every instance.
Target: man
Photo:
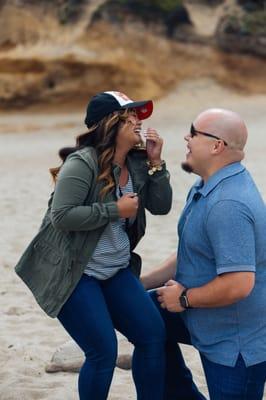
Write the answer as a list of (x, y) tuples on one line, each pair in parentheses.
[(215, 291)]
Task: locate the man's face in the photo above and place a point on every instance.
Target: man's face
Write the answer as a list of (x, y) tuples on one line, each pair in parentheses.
[(199, 146)]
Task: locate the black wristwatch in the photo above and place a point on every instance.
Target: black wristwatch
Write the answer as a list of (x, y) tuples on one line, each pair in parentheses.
[(183, 300)]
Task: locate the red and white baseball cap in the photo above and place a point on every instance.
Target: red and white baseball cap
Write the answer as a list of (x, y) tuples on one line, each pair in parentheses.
[(105, 103)]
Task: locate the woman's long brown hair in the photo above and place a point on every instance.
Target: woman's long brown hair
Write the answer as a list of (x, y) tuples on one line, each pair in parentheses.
[(101, 136)]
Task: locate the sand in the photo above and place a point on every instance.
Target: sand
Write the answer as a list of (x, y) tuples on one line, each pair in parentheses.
[(28, 147)]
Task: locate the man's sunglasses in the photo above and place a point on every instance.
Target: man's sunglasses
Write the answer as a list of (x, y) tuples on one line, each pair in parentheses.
[(194, 132)]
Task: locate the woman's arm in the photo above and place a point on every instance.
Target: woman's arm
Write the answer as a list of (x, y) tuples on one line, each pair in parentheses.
[(68, 211), (159, 193)]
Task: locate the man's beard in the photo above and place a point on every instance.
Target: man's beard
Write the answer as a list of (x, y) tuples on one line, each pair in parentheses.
[(186, 167)]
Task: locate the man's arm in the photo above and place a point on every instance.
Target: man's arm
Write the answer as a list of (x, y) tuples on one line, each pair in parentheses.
[(222, 291), (225, 289), (165, 271)]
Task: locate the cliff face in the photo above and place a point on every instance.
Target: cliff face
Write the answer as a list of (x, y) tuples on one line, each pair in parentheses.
[(40, 55), (61, 52)]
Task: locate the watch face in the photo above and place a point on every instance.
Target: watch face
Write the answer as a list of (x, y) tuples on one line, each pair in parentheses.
[(182, 301)]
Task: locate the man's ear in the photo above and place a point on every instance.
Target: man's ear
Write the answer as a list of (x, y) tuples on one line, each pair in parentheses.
[(218, 147)]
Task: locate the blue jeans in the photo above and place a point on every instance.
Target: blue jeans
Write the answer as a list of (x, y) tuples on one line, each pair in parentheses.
[(224, 383), (91, 315), (235, 383)]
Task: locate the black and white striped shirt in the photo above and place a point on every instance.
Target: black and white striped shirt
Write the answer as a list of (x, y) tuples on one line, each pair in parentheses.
[(112, 252)]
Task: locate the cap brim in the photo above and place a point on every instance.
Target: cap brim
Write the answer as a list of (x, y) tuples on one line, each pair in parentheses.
[(143, 108)]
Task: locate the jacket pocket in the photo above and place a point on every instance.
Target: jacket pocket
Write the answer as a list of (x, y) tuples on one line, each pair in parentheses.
[(47, 253), (46, 271)]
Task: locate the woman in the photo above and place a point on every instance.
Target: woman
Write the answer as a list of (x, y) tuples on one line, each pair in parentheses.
[(80, 265)]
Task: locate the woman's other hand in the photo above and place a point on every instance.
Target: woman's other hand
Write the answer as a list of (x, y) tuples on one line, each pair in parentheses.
[(154, 144)]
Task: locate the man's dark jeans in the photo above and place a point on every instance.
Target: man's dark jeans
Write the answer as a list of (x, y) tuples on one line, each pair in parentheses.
[(224, 383), (235, 383)]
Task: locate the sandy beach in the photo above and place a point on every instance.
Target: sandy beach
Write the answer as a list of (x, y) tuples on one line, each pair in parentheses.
[(28, 147)]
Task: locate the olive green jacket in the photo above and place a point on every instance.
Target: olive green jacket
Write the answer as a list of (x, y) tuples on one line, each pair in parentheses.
[(54, 261)]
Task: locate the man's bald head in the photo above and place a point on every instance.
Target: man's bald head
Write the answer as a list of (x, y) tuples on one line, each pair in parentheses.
[(225, 124)]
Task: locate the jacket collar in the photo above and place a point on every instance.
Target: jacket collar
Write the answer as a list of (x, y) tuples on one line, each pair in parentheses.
[(136, 163)]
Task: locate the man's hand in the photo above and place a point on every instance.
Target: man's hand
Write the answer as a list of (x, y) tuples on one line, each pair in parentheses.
[(168, 296)]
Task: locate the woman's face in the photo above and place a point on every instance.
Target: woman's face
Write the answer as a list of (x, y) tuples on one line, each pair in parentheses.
[(129, 130)]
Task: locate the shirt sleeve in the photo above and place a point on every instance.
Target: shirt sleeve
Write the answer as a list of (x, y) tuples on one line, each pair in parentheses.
[(230, 228)]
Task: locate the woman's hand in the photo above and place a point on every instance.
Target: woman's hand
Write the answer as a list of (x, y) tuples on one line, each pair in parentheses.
[(128, 205), (154, 144)]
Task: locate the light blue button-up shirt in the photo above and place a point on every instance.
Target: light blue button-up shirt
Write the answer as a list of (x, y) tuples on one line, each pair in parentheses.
[(223, 229)]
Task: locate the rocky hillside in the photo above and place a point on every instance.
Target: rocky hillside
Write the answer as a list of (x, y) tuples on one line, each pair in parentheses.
[(58, 52), (242, 27)]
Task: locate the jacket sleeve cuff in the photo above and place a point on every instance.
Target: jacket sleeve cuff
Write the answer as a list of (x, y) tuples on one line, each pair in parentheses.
[(113, 211), (160, 174)]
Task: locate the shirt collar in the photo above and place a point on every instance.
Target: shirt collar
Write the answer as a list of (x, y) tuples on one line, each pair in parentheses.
[(215, 179)]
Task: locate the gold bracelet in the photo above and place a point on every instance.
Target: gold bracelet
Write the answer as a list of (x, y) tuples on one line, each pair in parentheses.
[(154, 167)]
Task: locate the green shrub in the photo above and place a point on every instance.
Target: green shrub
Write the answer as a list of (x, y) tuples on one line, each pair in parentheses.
[(154, 6), (70, 10), (252, 5), (255, 23), (167, 5), (232, 25), (169, 13), (250, 24)]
